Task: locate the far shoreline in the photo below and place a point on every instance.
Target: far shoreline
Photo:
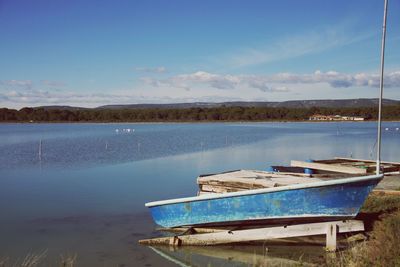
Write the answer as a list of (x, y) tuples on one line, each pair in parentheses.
[(189, 122)]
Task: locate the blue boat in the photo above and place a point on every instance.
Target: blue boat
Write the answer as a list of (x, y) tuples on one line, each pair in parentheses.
[(307, 202)]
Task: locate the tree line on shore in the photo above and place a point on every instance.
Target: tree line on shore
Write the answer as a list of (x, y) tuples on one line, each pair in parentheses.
[(189, 114)]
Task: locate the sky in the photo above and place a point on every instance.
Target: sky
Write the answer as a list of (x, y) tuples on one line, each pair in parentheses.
[(94, 52)]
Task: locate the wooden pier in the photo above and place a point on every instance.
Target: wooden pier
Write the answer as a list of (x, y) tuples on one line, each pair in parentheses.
[(210, 237)]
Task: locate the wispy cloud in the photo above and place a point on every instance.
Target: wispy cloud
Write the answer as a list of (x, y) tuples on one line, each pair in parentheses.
[(27, 84), (53, 83), (160, 69), (294, 45)]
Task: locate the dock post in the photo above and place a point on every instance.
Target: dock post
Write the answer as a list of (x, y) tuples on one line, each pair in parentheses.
[(175, 241), (331, 231)]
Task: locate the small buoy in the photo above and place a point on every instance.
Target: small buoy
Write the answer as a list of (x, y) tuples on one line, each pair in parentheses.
[(397, 129), (387, 129), (116, 130), (307, 170), (271, 169)]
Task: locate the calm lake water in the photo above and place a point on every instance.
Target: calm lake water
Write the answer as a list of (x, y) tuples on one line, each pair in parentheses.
[(80, 188)]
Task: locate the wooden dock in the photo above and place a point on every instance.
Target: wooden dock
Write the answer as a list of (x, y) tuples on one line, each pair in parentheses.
[(347, 165), (190, 236)]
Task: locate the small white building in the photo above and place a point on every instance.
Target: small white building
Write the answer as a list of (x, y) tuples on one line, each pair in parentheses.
[(318, 117)]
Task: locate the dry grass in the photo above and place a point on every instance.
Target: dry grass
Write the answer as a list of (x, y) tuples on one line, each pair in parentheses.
[(382, 217), (68, 261), (3, 261), (381, 203), (33, 259), (38, 259)]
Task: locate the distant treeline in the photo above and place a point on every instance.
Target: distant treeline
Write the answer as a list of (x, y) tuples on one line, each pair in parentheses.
[(190, 114)]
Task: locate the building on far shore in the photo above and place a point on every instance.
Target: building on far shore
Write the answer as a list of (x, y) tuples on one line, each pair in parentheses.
[(318, 117)]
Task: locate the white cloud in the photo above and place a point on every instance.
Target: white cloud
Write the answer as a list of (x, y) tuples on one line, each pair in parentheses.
[(273, 83), (212, 87), (338, 80), (43, 97)]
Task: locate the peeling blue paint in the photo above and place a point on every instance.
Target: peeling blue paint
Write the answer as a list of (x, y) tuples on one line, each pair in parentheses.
[(328, 201)]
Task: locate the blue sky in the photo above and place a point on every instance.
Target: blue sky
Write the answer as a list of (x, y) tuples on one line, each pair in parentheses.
[(90, 53)]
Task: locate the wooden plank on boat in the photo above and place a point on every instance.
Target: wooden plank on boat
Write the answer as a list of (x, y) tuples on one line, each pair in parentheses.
[(370, 165), (367, 160), (227, 189), (384, 168), (328, 167), (240, 180), (240, 184), (249, 179), (258, 234), (289, 174)]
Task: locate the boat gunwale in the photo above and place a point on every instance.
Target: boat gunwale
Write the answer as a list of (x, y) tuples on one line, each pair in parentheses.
[(264, 190)]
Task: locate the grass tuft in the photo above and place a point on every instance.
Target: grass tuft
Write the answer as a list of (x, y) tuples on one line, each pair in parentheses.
[(33, 259), (68, 261), (381, 215)]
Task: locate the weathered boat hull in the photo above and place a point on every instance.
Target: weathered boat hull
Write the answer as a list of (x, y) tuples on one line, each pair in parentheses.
[(327, 200)]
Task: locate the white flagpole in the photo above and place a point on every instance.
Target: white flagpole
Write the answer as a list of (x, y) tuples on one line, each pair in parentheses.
[(378, 152)]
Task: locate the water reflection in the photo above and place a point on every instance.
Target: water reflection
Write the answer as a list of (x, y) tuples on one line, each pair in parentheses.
[(242, 255)]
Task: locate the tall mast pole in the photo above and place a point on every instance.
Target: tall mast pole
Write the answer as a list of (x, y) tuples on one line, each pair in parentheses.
[(378, 152)]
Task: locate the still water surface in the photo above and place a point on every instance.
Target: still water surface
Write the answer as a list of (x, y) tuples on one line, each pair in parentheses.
[(81, 188)]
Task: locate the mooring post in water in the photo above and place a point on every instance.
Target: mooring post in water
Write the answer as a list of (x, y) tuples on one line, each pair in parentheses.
[(40, 150)]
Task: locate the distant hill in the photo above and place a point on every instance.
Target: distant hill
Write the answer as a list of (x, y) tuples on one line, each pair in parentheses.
[(300, 110), (326, 103), (329, 103), (61, 107)]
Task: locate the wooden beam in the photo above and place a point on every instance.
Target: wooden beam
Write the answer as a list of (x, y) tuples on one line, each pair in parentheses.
[(367, 160), (221, 187), (327, 167), (258, 234), (198, 230)]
